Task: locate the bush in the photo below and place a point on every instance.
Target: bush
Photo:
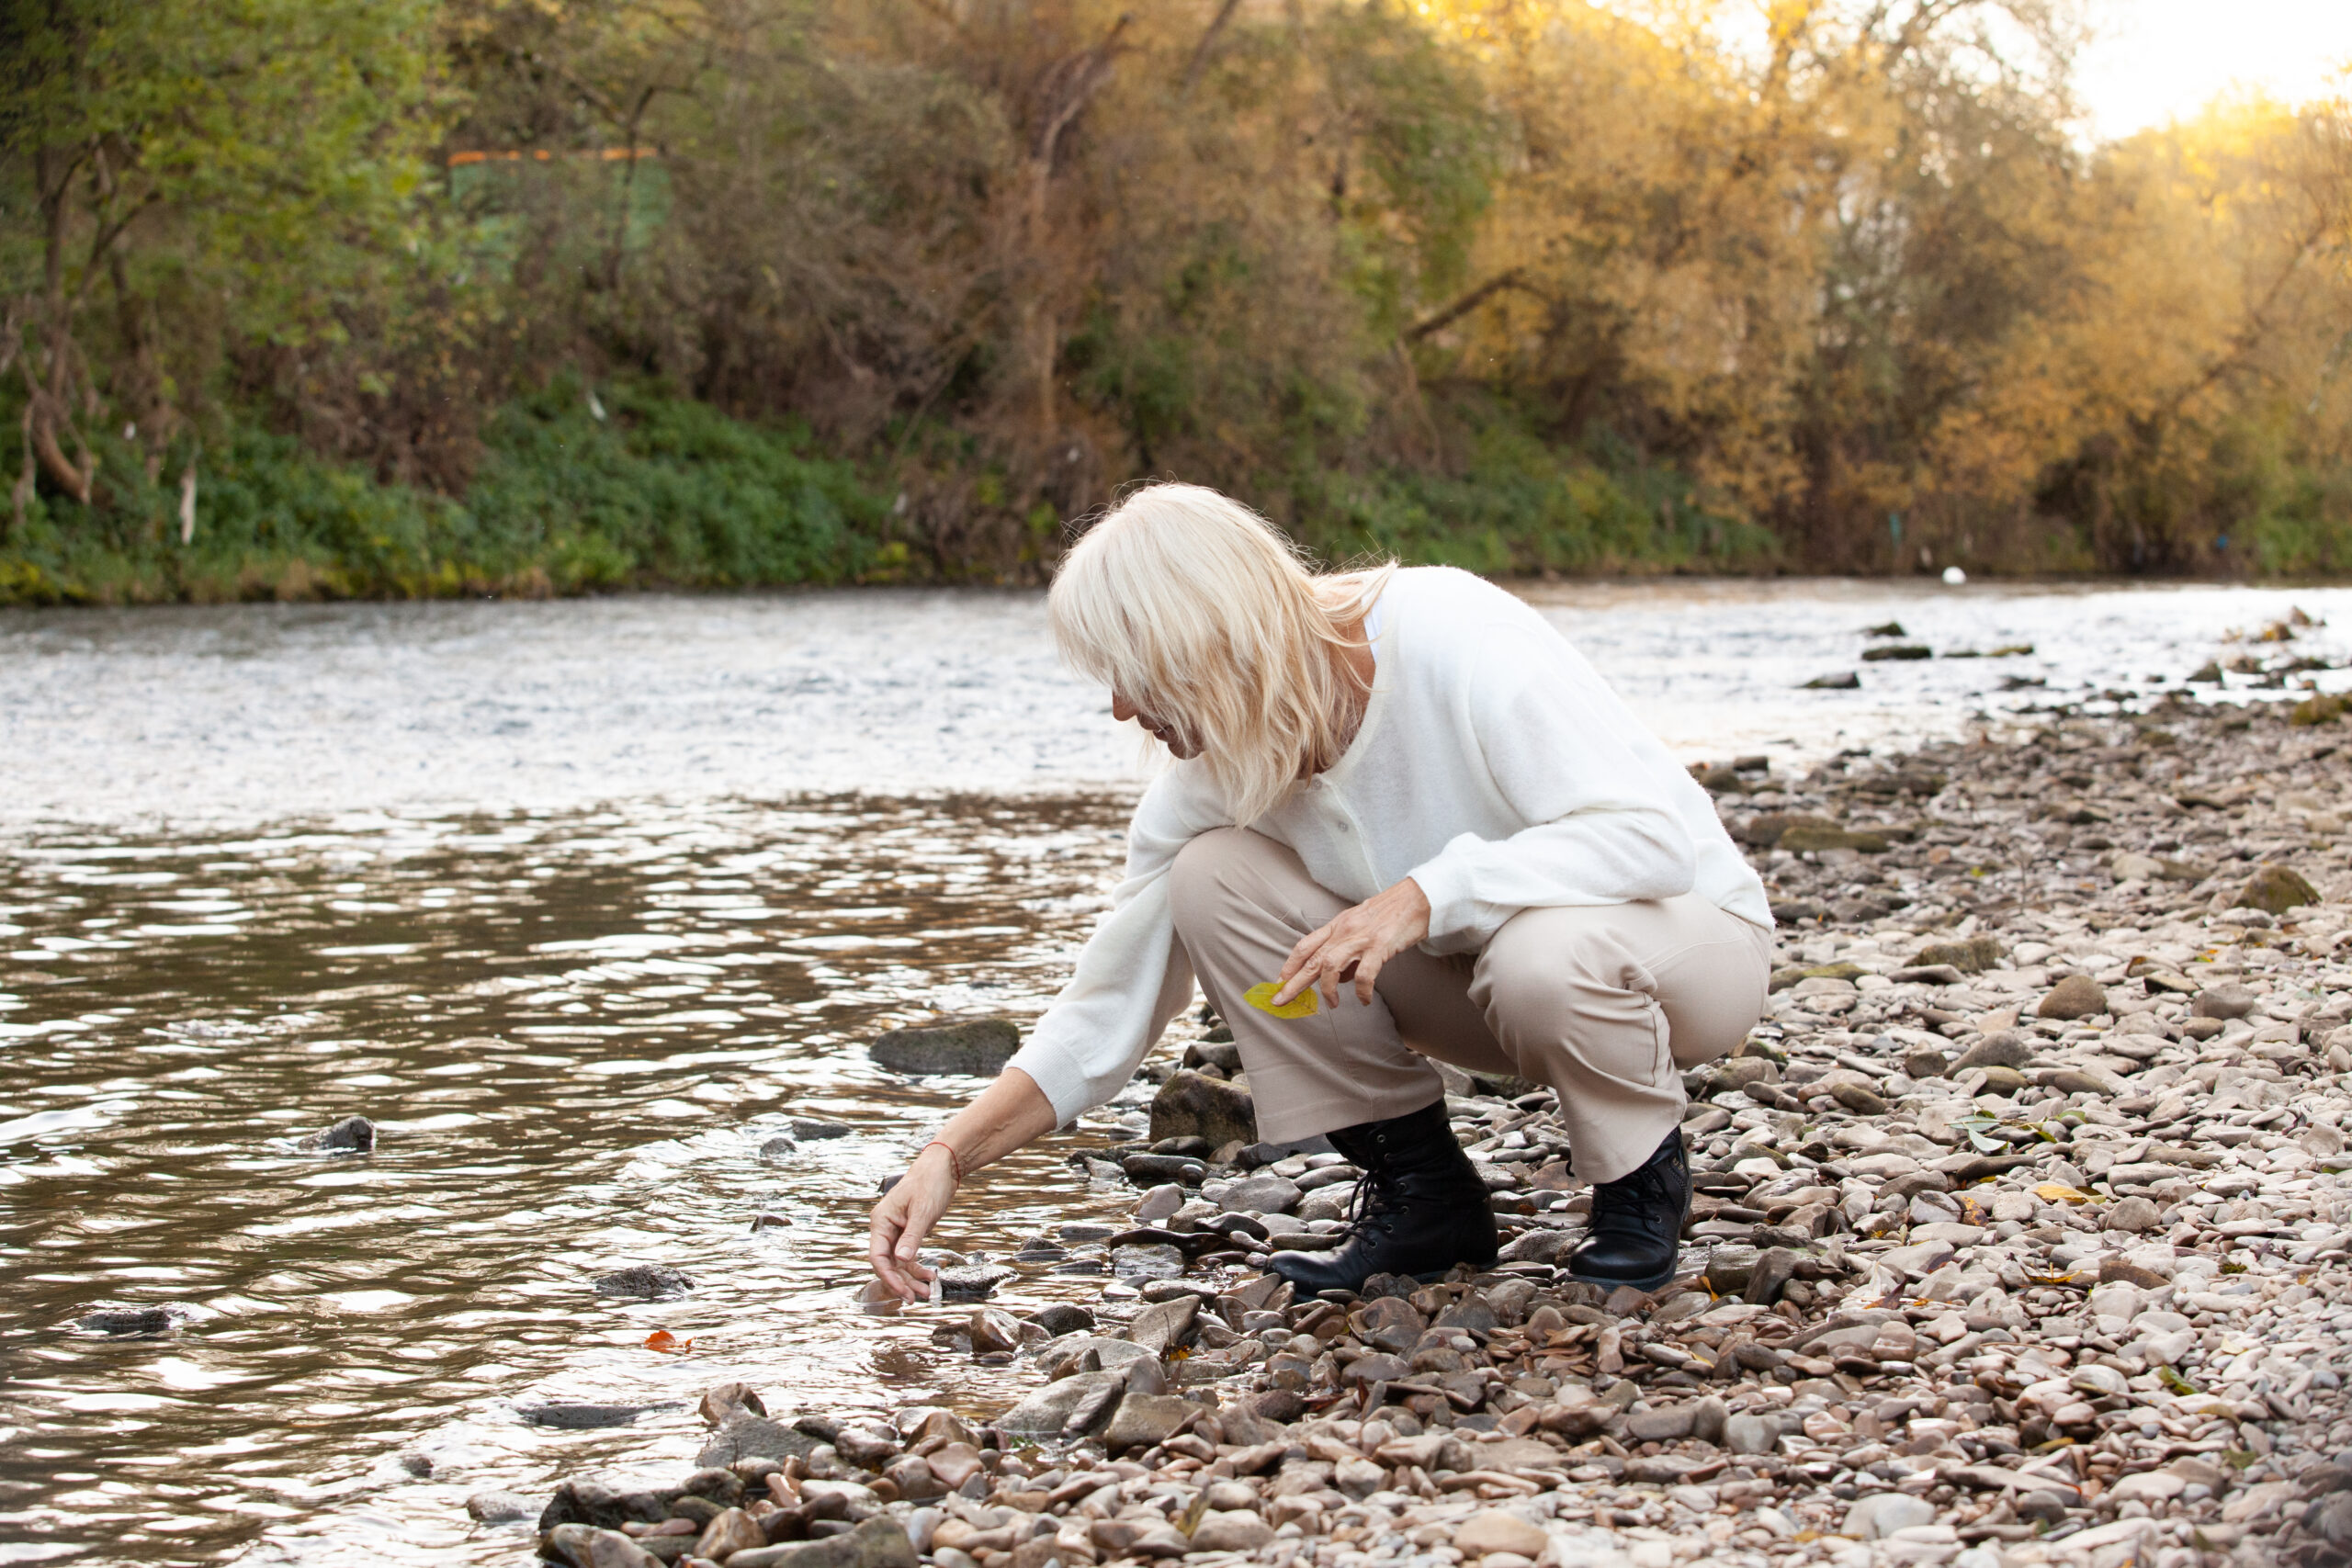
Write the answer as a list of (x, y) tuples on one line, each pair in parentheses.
[(636, 489)]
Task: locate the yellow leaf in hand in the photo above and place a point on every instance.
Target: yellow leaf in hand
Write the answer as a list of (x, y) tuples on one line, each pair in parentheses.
[(1261, 996)]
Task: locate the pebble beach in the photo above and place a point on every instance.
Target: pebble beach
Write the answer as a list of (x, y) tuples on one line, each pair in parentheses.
[(2020, 1236)]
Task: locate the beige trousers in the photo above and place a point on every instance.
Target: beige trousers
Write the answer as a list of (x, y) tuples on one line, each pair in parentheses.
[(1607, 1004)]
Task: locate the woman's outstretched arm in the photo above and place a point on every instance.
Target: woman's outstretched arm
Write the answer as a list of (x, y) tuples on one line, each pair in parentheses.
[(1009, 1114)]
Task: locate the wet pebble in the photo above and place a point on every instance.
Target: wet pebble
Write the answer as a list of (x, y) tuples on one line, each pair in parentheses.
[(352, 1135), (648, 1282), (134, 1320)]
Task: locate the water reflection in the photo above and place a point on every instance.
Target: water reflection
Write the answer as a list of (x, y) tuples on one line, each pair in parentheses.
[(575, 1034)]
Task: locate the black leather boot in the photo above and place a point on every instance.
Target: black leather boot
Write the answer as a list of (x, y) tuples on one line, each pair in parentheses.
[(1420, 1208), (1636, 1230)]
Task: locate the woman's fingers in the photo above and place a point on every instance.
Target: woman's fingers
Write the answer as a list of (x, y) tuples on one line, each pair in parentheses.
[(878, 1253), (1303, 965), (901, 1220)]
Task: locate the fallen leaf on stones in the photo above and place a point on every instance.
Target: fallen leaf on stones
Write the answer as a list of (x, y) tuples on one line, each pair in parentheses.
[(1261, 996), (662, 1339), (2059, 1192)]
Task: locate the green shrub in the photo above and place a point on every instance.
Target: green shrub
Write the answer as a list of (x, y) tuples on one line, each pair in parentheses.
[(658, 490)]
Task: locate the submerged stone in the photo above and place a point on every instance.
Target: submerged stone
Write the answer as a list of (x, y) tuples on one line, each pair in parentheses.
[(975, 1047), (648, 1282), (352, 1135)]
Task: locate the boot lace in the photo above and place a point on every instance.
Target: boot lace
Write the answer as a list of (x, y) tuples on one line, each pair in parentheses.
[(1641, 1201), (1377, 1204)]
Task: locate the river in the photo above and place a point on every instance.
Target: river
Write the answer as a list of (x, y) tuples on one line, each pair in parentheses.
[(585, 904)]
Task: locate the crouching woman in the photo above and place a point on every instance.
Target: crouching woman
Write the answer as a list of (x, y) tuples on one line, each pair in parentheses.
[(1405, 820)]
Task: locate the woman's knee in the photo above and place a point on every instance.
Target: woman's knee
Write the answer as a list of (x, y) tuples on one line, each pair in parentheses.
[(1202, 880), (1550, 987)]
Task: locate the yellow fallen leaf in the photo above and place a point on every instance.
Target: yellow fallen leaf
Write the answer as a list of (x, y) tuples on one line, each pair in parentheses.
[(2059, 1192), (1261, 996)]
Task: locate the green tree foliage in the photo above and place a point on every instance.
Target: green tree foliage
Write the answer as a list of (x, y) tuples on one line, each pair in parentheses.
[(566, 294)]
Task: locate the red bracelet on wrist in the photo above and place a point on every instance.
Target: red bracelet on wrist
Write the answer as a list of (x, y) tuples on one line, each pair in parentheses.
[(954, 1160)]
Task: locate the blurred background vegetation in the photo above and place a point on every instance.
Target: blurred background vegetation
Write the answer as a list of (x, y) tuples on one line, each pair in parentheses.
[(308, 298)]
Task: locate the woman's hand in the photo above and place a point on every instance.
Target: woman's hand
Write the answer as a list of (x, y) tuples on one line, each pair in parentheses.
[(1009, 1113), (1355, 945), (904, 1217)]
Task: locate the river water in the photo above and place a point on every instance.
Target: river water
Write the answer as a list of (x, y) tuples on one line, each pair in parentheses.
[(585, 904)]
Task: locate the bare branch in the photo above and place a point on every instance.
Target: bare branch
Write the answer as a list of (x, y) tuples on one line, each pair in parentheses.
[(1199, 63), (1074, 81), (1514, 278)]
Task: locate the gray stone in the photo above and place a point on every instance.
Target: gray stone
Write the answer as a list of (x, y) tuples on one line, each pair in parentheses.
[(724, 1403), (1192, 1105), (1162, 1327), (2076, 995), (1159, 1202), (585, 1546), (1881, 1515), (1377, 1367), (129, 1320), (814, 1131), (1144, 1420), (1062, 1317), (994, 1331), (605, 1502), (1730, 1264), (1147, 1260), (1067, 1356), (1750, 1434), (501, 1509), (732, 1531), (1231, 1530), (2004, 1049), (1470, 1313), (1539, 1245), (2132, 1214), (2226, 1001), (1973, 956), (754, 1437), (1261, 1195), (1775, 1267), (1044, 1412), (586, 1417), (975, 1047), (1663, 1424), (1389, 1322), (879, 1542), (2275, 889), (647, 1281), (1707, 1418), (972, 1281), (352, 1135)]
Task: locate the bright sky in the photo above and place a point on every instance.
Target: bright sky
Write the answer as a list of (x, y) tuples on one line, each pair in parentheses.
[(2159, 59)]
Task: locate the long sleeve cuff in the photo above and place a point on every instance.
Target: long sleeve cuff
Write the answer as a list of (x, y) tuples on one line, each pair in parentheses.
[(1059, 1076)]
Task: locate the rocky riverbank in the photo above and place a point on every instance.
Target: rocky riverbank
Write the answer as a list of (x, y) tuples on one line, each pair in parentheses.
[(2020, 1236)]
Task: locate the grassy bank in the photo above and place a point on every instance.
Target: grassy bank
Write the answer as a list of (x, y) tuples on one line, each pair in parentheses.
[(632, 489)]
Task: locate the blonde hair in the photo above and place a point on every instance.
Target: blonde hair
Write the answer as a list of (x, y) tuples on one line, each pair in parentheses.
[(1194, 609)]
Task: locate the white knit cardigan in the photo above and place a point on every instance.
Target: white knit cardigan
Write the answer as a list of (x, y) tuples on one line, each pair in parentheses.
[(1494, 767)]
